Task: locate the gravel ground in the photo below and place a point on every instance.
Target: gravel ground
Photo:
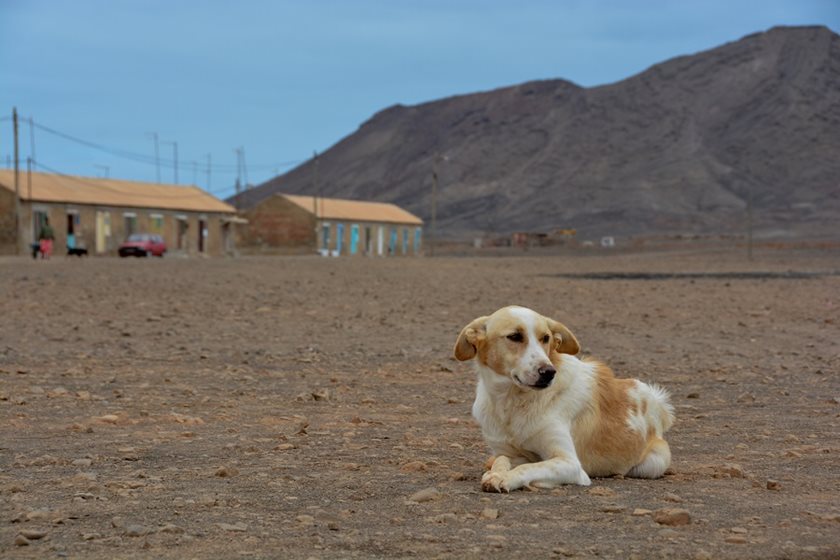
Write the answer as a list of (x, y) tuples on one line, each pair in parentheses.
[(309, 408)]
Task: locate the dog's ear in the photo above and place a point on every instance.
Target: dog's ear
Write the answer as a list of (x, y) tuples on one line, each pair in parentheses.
[(471, 336), (565, 342)]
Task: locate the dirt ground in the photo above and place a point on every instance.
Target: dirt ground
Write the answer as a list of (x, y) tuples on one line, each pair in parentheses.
[(297, 407)]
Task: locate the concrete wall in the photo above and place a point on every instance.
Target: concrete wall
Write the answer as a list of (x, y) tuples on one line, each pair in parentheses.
[(7, 222), (91, 222)]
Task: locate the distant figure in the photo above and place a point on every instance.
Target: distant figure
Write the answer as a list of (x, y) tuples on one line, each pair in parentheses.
[(45, 239)]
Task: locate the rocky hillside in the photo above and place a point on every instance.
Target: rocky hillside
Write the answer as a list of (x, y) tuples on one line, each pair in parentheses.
[(681, 147)]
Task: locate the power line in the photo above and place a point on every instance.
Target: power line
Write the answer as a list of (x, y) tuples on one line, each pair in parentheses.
[(150, 160)]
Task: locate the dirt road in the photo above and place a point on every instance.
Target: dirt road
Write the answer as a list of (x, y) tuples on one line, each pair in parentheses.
[(309, 408)]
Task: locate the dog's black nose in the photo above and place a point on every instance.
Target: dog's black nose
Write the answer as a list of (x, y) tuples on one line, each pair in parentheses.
[(546, 374)]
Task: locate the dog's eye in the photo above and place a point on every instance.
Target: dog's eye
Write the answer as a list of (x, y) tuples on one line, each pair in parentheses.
[(515, 337), (546, 339)]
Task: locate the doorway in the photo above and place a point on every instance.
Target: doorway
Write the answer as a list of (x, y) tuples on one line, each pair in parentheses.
[(202, 234)]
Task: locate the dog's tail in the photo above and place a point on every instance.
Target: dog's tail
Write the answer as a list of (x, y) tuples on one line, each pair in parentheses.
[(661, 399)]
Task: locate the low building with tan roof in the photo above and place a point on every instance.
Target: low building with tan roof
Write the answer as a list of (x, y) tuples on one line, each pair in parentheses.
[(98, 214), (330, 226)]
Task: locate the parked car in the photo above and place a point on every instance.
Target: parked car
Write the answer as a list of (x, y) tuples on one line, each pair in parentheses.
[(142, 245)]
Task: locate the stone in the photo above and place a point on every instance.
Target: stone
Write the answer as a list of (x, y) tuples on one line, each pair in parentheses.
[(20, 540), (736, 539), (613, 508), (672, 517), (671, 497), (236, 527), (426, 495), (135, 530), (641, 511), (773, 484), (226, 472), (33, 534), (489, 513), (601, 491), (738, 530)]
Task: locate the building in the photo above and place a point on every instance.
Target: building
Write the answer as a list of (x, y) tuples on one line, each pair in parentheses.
[(99, 214), (331, 226)]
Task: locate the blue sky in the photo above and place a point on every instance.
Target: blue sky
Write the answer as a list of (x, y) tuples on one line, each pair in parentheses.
[(285, 78)]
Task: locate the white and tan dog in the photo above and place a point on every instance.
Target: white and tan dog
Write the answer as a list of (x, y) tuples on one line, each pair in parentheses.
[(551, 418)]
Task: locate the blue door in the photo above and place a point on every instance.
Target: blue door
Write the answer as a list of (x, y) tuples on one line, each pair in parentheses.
[(418, 238), (354, 239), (392, 245), (405, 241), (339, 238)]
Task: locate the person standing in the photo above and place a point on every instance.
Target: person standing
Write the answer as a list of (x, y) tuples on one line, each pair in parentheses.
[(45, 239)]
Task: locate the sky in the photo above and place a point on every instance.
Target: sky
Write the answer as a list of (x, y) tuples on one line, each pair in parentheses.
[(283, 79)]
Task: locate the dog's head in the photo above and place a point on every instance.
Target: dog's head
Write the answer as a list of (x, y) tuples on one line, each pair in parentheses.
[(518, 343)]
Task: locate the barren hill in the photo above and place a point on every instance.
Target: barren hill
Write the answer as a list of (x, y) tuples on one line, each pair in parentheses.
[(681, 147)]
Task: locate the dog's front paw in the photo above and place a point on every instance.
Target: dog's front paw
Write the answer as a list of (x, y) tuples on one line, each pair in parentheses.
[(494, 482), (583, 478)]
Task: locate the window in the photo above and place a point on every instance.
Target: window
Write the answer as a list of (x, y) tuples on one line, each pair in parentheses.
[(156, 223), (130, 223)]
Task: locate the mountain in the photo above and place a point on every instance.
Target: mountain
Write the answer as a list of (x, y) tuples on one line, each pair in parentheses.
[(682, 147)]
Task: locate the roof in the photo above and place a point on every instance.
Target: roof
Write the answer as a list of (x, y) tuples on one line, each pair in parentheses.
[(48, 187), (341, 209)]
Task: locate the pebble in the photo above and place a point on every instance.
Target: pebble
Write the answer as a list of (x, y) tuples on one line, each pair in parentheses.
[(135, 530), (601, 491), (108, 418), (739, 530), (490, 513), (90, 536), (170, 528), (613, 508), (305, 519), (733, 470), (641, 511), (414, 466), (425, 495), (672, 517), (225, 472), (671, 497), (773, 484), (236, 527), (20, 540), (736, 539), (82, 462), (33, 534)]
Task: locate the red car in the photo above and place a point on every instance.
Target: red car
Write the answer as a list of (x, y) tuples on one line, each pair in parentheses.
[(143, 245)]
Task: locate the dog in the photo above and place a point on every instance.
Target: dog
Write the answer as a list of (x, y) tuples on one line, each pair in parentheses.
[(551, 418)]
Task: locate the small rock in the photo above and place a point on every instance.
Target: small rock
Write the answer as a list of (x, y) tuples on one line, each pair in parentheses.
[(135, 530), (601, 491), (489, 513), (90, 536), (425, 495), (20, 540), (671, 497), (672, 517), (305, 519), (285, 447), (33, 534), (170, 528), (236, 527), (641, 511), (613, 508), (738, 530), (736, 539), (731, 469), (108, 418), (225, 472), (745, 398), (82, 462), (773, 484), (321, 395), (414, 466), (702, 555), (693, 396)]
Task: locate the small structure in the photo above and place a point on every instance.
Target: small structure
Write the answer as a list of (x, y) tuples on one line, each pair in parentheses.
[(331, 226), (99, 214)]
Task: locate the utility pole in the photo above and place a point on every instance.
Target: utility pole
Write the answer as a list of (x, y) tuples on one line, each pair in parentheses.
[(749, 222), (31, 138), (209, 165), (244, 167), (315, 194), (433, 239), (154, 135), (238, 177), (175, 150), (18, 238)]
